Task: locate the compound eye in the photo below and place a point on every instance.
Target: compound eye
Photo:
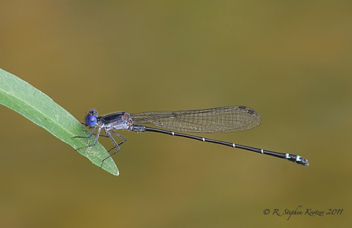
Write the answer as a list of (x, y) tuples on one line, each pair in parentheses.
[(91, 118)]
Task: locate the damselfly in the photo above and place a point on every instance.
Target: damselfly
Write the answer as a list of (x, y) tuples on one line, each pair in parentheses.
[(213, 120)]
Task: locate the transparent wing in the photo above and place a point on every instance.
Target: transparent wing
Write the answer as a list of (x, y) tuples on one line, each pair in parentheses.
[(213, 120)]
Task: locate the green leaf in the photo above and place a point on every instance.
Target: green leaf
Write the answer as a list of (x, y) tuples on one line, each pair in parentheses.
[(23, 98)]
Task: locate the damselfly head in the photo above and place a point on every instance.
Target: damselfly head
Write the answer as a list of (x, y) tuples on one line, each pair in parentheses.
[(91, 118)]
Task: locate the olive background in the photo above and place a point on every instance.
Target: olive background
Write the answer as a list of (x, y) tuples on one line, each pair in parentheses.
[(288, 60)]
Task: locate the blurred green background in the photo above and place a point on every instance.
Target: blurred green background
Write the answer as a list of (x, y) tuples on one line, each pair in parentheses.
[(291, 61)]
